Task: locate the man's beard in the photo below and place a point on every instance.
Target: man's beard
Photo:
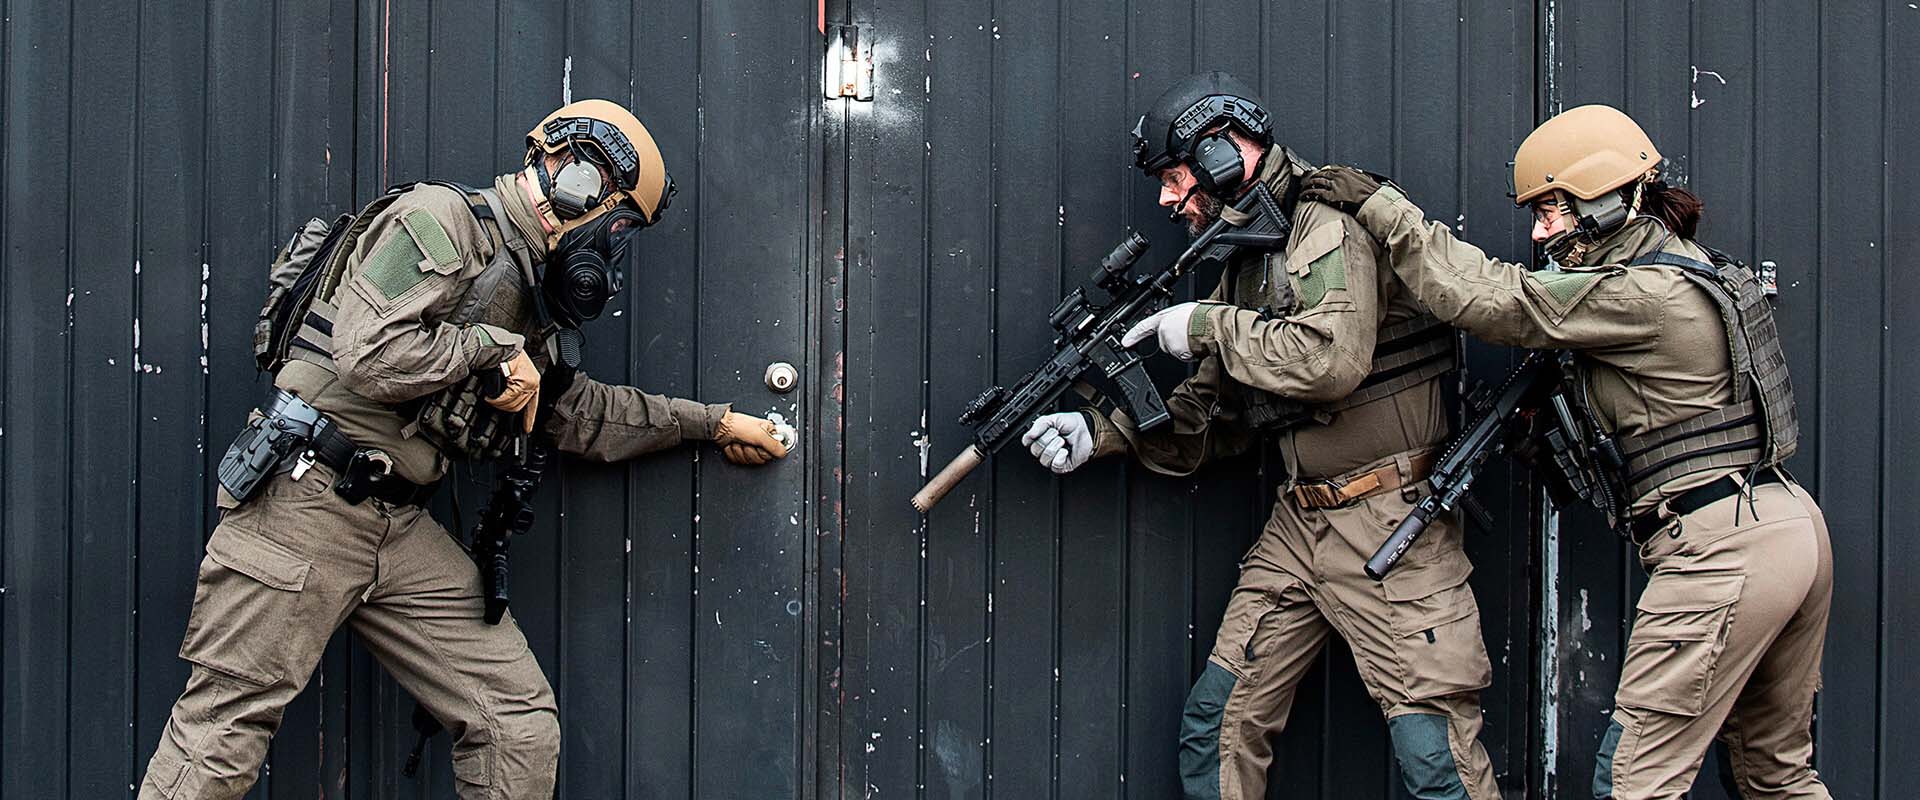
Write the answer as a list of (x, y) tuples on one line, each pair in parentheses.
[(1209, 208)]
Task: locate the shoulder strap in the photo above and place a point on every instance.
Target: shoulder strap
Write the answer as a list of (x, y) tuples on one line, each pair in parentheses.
[(1676, 260)]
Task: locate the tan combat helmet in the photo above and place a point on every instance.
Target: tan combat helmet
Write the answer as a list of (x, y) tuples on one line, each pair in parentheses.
[(1585, 151), (601, 133)]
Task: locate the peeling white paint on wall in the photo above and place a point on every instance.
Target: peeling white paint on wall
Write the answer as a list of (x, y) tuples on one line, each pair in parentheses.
[(1694, 93)]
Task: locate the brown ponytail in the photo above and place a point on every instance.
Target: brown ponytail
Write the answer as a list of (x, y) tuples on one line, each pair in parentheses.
[(1677, 207)]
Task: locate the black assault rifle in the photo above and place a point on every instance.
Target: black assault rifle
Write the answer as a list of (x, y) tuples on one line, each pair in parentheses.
[(508, 513), (1579, 450), (1089, 338)]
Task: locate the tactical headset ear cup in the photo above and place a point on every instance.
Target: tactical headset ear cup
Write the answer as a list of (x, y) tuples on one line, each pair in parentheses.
[(575, 189), (1217, 165)]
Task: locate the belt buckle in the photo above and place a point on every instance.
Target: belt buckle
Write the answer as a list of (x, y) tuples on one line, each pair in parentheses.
[(1319, 494)]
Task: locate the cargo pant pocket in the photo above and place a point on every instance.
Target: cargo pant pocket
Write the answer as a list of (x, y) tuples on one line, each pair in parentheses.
[(473, 769), (1437, 643), (1678, 635), (246, 606)]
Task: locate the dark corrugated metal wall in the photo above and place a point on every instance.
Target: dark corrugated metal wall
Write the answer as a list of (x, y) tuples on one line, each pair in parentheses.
[(1033, 637)]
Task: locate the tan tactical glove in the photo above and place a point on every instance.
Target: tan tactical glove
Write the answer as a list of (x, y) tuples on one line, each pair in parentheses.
[(523, 388), (747, 440)]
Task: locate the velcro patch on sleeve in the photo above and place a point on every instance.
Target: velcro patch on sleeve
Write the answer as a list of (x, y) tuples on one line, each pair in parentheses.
[(431, 238), (1324, 274), (394, 268), (1565, 287), (1314, 243)]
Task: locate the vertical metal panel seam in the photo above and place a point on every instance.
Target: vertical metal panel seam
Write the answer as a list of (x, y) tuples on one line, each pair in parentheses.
[(1820, 283), (1886, 371), (431, 169), (1393, 95), (1546, 631), (992, 570), (1819, 246), (693, 546), (923, 579), (812, 405), (206, 245), (1059, 257), (66, 751), (6, 354), (1326, 84), (130, 642)]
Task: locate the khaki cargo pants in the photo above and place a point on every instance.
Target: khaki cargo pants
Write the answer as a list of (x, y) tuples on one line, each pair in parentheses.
[(1415, 638), (1727, 641), (286, 569)]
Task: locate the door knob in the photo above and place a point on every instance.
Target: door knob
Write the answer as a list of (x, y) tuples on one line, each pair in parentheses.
[(782, 377)]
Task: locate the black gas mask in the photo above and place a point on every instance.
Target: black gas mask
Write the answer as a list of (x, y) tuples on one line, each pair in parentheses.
[(589, 265)]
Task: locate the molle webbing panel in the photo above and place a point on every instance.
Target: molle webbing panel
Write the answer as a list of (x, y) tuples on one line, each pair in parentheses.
[(313, 341), (1725, 437), (1408, 353), (1765, 393)]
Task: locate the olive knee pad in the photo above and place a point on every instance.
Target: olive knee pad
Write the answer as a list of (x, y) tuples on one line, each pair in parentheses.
[(1603, 762), (1200, 733), (1426, 759)]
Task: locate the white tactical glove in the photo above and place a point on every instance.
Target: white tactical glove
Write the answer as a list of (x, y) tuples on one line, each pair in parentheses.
[(1170, 324), (1061, 442)]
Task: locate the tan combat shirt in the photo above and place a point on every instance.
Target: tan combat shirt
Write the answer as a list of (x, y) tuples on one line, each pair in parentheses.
[(1316, 355), (391, 341), (1653, 345)]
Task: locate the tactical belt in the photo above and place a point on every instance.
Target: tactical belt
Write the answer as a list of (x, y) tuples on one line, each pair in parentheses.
[(360, 472), (1346, 489), (1733, 436), (1643, 527)]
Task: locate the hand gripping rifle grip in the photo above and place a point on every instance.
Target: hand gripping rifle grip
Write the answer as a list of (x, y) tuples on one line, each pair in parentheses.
[(949, 477), (1402, 540)]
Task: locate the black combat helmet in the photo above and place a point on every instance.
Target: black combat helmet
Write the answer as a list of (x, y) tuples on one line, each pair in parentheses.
[(1173, 131)]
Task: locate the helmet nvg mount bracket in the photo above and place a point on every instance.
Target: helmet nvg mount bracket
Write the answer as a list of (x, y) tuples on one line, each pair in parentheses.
[(1188, 125), (607, 143)]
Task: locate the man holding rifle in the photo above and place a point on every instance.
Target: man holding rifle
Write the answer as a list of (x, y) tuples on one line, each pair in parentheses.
[(1320, 347)]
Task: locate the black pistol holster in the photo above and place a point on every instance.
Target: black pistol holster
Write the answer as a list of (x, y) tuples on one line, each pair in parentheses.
[(289, 434)]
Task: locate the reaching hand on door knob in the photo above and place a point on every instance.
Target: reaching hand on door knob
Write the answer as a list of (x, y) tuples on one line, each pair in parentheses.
[(749, 440)]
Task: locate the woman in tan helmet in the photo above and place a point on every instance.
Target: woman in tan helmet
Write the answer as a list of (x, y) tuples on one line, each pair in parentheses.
[(1689, 414)]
